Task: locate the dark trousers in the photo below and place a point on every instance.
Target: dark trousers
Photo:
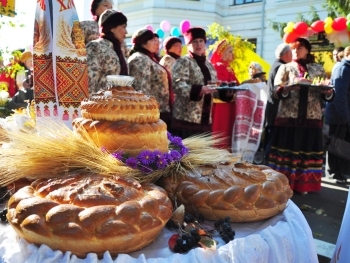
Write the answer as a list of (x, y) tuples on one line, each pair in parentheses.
[(337, 165)]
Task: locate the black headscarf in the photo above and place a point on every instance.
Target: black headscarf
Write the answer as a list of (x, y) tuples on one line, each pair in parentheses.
[(108, 20)]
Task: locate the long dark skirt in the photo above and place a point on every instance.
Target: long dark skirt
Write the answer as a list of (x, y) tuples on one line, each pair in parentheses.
[(186, 129), (298, 154)]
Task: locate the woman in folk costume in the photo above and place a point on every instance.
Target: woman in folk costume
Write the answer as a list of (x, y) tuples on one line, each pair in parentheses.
[(297, 148), (91, 27), (24, 82), (28, 83), (173, 49), (104, 55), (150, 77), (222, 57), (193, 96), (223, 112)]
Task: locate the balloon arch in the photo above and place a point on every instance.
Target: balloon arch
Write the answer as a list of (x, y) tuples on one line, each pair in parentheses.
[(166, 29), (337, 30)]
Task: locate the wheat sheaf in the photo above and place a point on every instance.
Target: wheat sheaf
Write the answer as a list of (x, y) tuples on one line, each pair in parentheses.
[(53, 150), (64, 38), (43, 44)]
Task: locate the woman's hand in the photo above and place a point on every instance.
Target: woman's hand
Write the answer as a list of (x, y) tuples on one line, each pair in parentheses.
[(207, 90)]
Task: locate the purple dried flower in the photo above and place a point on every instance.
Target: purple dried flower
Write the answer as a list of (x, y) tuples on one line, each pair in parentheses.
[(118, 155), (183, 150), (156, 154), (170, 137), (132, 162), (147, 161), (146, 169), (177, 141), (162, 162), (175, 155), (146, 157)]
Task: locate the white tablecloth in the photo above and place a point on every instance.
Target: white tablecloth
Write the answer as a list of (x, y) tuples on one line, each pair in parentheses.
[(284, 238)]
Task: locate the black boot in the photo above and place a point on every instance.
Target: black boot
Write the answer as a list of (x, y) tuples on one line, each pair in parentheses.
[(341, 179)]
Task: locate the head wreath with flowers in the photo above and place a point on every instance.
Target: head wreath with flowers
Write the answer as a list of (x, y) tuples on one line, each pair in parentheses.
[(4, 86), (17, 54), (219, 51)]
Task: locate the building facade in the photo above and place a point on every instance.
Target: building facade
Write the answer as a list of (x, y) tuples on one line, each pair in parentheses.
[(250, 19)]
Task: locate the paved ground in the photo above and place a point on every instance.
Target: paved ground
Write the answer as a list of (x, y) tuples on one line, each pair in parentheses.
[(324, 213)]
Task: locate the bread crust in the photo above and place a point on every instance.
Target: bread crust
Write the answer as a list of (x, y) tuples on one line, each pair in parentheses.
[(124, 120), (90, 214), (244, 192), (121, 103), (130, 138)]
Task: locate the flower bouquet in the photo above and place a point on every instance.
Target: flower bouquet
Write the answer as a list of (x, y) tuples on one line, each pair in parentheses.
[(4, 99)]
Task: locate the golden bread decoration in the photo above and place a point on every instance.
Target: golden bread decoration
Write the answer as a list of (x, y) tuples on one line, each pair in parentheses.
[(121, 104), (122, 119), (244, 192), (89, 213), (128, 137)]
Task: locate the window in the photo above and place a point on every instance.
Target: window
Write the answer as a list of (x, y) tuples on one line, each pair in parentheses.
[(242, 2), (253, 41)]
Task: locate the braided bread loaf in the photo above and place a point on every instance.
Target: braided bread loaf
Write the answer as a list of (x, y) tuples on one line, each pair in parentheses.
[(244, 192), (89, 213), (122, 119)]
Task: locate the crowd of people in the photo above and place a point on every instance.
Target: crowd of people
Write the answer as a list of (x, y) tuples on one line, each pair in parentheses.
[(19, 80), (294, 114)]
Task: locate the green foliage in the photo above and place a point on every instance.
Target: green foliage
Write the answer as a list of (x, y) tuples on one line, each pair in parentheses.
[(6, 12), (240, 47), (278, 27), (313, 14), (341, 7)]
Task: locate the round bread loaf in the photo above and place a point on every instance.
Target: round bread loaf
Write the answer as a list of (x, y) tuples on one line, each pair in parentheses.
[(90, 214), (121, 103), (244, 192), (127, 137)]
